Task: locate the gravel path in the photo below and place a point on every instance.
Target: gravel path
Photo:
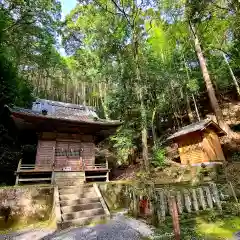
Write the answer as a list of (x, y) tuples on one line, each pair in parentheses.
[(118, 228)]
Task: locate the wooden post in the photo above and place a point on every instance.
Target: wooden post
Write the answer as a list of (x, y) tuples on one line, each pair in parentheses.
[(19, 165), (179, 202), (135, 203), (233, 192), (157, 207), (53, 178), (209, 197), (187, 200), (17, 173), (53, 165), (162, 205), (106, 164), (216, 196), (107, 176), (53, 158), (201, 198), (175, 218), (195, 202), (17, 177)]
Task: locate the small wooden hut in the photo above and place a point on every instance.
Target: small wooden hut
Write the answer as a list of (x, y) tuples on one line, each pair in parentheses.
[(199, 143)]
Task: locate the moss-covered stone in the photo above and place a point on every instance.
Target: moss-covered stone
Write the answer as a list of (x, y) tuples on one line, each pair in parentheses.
[(24, 206)]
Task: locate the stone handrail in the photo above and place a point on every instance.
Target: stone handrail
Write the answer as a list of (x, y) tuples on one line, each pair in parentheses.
[(104, 205), (56, 206)]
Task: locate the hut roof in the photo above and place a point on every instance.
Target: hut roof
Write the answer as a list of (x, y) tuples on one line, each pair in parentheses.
[(198, 126)]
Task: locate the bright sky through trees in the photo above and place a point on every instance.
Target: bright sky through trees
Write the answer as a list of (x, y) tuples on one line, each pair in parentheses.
[(67, 6)]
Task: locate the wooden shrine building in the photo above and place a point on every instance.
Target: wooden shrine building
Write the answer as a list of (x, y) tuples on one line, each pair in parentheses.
[(67, 134), (199, 143)]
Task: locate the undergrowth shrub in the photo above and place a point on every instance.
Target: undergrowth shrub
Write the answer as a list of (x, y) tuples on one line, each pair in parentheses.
[(158, 157)]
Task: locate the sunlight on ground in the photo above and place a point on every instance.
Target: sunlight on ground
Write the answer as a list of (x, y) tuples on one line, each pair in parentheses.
[(224, 228), (13, 226), (202, 228)]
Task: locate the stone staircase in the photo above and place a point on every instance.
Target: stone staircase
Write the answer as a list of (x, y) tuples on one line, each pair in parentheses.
[(81, 204)]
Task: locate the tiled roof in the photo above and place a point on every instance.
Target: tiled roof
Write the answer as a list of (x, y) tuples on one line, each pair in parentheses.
[(65, 113)]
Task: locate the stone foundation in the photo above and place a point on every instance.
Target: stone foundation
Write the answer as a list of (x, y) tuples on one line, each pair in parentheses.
[(25, 205)]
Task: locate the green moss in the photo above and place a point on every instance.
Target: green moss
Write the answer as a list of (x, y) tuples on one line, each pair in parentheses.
[(224, 228), (202, 228), (15, 225), (94, 223)]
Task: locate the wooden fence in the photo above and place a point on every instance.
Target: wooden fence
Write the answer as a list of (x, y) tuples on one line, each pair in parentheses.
[(189, 199)]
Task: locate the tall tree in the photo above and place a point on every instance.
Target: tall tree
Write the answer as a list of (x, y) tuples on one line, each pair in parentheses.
[(196, 12)]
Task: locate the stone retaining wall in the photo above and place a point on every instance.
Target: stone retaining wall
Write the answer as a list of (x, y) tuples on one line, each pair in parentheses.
[(25, 204), (114, 195)]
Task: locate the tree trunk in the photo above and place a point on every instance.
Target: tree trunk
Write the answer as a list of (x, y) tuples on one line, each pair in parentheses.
[(232, 74), (208, 83), (144, 132), (153, 127), (189, 110), (139, 92), (103, 99), (83, 94), (230, 70), (196, 108)]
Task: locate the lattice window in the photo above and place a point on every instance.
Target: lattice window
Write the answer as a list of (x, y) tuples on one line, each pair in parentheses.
[(74, 153), (68, 152), (61, 152)]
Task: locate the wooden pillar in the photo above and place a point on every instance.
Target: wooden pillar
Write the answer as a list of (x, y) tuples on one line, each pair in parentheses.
[(216, 196), (179, 202), (195, 202), (53, 178), (209, 197), (201, 198), (162, 205), (175, 218), (106, 163), (17, 178), (18, 169), (187, 200)]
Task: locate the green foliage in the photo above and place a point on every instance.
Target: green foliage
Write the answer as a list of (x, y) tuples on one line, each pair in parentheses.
[(123, 145), (235, 157), (211, 215), (158, 156), (132, 60), (232, 208)]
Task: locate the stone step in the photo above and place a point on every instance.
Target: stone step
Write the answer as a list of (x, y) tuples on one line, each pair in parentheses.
[(79, 189), (82, 214), (81, 207), (76, 202), (83, 185), (67, 182), (82, 221), (75, 196)]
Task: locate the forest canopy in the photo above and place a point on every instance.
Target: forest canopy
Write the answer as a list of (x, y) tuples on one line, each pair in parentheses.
[(156, 65)]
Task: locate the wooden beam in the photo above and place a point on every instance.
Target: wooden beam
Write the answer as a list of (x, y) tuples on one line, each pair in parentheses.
[(99, 176), (33, 179)]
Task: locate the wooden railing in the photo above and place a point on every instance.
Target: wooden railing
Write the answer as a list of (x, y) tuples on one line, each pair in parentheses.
[(97, 166), (50, 167)]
